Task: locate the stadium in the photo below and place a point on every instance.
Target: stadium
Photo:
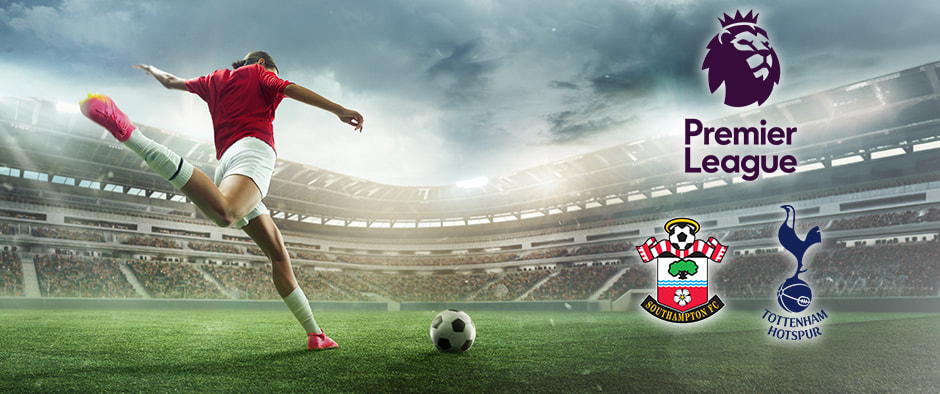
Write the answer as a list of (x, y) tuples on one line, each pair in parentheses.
[(85, 224)]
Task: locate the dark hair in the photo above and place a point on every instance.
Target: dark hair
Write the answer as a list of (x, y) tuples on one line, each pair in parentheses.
[(252, 58)]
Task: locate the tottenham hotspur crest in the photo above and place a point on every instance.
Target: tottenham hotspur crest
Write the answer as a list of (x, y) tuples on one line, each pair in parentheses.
[(682, 273)]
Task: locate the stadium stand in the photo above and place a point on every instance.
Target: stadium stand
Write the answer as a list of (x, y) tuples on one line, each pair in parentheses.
[(11, 276), (871, 184), (71, 276), (244, 282), (173, 280), (576, 283), (512, 286), (215, 247)]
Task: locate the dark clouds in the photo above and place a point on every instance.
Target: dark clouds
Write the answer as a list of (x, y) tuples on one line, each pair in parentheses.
[(456, 89), (461, 74)]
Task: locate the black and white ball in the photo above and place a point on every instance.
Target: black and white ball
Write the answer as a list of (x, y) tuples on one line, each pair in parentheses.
[(453, 331), (682, 236)]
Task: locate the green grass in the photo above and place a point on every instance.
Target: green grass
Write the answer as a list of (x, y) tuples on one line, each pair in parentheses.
[(94, 351)]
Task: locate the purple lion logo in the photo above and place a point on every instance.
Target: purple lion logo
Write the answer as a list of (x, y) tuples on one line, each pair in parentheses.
[(741, 58)]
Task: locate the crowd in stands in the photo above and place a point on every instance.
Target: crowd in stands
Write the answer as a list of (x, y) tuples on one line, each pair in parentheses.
[(252, 283), (301, 245), (7, 229), (883, 219), (895, 269), (575, 283), (313, 256), (95, 223), (892, 269), (11, 274), (256, 251), (71, 276), (511, 285), (634, 277), (154, 242), (244, 282), (756, 275), (876, 220), (351, 283), (320, 285), (236, 238), (752, 232), (215, 247), (898, 269), (488, 258), (545, 254), (426, 288), (75, 235), (20, 215), (611, 247), (765, 231), (173, 280), (427, 260), (182, 233)]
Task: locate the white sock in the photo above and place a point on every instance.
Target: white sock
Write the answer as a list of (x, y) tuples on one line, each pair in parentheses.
[(299, 305), (161, 159)]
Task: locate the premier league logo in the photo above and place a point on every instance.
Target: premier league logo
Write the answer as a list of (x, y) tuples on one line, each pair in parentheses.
[(682, 273), (741, 58)]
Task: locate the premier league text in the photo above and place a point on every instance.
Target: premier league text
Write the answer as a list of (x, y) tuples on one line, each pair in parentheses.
[(750, 165)]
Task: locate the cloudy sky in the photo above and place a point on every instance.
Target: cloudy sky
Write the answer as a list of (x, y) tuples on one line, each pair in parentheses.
[(450, 90)]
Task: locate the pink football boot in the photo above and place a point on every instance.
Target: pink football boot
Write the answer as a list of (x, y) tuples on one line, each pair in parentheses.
[(320, 341), (102, 110)]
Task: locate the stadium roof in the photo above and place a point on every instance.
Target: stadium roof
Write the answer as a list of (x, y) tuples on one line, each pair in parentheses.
[(894, 114)]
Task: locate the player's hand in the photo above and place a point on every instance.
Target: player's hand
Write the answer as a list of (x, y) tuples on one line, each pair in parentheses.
[(145, 67), (353, 118)]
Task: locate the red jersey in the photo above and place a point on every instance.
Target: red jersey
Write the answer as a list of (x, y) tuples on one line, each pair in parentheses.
[(242, 103)]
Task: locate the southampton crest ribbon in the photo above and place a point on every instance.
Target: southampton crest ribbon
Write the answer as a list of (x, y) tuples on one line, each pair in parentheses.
[(682, 273), (711, 249)]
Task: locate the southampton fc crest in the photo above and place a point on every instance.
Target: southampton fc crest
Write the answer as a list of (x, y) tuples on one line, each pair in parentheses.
[(682, 273)]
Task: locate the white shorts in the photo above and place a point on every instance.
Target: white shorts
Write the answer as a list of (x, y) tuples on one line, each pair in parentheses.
[(253, 158)]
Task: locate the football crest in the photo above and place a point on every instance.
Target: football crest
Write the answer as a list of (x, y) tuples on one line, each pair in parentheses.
[(794, 295), (682, 273)]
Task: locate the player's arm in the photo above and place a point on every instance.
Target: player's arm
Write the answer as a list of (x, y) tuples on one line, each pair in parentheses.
[(310, 97), (166, 79)]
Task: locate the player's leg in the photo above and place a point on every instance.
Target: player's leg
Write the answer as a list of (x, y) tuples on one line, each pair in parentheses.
[(224, 204), (102, 110), (266, 235)]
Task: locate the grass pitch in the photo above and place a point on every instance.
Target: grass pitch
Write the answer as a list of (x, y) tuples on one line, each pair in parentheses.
[(224, 351)]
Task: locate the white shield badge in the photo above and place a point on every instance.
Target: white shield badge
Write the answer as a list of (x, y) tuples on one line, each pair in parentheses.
[(682, 273)]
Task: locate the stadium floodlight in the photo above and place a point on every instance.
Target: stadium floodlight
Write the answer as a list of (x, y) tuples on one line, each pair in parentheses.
[(773, 174), (479, 181), (927, 146), (887, 153), (847, 160), (636, 197), (711, 184), (810, 167), (661, 192)]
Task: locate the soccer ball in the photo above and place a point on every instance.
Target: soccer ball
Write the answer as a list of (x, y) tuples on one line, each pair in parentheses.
[(452, 331), (682, 236), (794, 295)]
